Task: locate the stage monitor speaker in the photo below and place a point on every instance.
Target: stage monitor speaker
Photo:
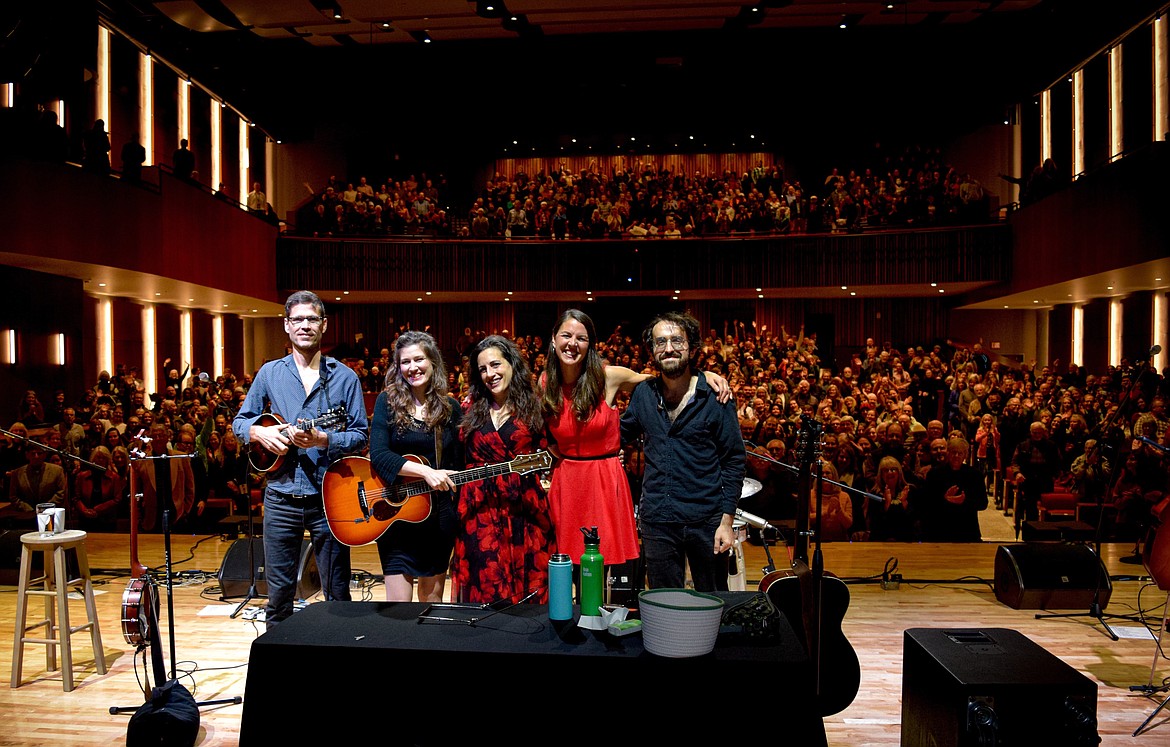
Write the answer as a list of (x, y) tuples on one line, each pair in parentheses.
[(974, 687), (1050, 576), (235, 578)]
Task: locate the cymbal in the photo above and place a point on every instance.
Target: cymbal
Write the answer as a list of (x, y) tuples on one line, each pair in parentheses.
[(750, 487)]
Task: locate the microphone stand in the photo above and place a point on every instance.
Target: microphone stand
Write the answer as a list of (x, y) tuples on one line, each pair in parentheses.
[(1095, 609), (796, 471), (63, 454), (252, 592), (235, 700)]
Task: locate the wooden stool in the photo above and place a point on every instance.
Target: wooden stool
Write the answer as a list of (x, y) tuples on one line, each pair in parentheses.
[(55, 585)]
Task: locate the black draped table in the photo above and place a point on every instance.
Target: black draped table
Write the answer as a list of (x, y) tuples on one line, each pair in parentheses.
[(340, 670)]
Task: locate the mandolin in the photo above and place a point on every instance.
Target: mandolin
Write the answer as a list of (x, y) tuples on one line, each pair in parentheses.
[(263, 460), (360, 507), (815, 602)]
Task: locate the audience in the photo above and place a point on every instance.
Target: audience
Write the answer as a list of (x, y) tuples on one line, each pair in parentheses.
[(649, 201), (888, 407)]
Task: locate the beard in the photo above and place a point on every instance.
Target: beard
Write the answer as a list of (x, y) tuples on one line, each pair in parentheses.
[(673, 368)]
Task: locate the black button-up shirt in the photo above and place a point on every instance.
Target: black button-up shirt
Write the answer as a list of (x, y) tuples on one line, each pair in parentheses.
[(694, 467)]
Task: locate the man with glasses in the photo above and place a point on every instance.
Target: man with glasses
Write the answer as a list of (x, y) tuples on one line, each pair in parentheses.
[(303, 385), (694, 461)]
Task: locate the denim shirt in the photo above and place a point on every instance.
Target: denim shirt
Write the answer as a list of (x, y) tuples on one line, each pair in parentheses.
[(279, 383), (695, 466)]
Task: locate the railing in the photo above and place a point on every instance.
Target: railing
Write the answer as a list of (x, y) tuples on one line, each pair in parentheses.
[(973, 254)]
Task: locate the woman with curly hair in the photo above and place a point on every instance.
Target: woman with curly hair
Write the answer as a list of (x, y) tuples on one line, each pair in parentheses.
[(505, 533), (415, 417)]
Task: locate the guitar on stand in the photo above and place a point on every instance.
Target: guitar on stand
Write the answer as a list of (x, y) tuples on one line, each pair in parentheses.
[(167, 702), (814, 601), (140, 600)]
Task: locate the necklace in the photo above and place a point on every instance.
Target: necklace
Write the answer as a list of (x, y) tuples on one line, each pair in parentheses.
[(500, 415)]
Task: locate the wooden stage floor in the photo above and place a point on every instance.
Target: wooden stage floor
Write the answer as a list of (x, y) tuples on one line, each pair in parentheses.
[(943, 586)]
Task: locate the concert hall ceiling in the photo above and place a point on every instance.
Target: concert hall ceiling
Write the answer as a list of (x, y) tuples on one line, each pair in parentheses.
[(503, 69)]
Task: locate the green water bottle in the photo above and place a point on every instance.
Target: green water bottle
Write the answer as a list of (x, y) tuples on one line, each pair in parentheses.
[(592, 573)]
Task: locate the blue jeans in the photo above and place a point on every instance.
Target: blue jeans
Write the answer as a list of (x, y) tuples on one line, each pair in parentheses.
[(285, 520), (668, 547)]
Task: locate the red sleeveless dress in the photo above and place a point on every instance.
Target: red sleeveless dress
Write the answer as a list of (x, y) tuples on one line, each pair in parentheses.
[(589, 486)]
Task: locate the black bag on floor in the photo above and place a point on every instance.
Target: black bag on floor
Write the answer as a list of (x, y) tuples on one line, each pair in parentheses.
[(170, 718)]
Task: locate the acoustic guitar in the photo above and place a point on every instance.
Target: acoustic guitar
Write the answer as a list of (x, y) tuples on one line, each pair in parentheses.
[(263, 460), (360, 507), (815, 602)]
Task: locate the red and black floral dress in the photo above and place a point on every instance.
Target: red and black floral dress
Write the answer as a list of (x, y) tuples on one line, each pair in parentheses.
[(505, 532)]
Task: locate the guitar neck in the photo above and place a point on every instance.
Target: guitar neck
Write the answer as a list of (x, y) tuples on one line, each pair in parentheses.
[(137, 569), (418, 487)]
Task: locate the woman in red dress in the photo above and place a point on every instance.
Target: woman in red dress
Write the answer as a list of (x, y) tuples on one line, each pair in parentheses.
[(505, 533), (589, 485)]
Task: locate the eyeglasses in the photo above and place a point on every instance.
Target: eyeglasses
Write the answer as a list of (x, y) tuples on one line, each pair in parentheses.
[(312, 321), (678, 343)]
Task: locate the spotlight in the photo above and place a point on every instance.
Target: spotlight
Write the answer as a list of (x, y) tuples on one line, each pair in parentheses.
[(328, 8), (490, 9)]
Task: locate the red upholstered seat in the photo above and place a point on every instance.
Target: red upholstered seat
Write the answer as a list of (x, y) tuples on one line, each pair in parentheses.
[(1057, 506)]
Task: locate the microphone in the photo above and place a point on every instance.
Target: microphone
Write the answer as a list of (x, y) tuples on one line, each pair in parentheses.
[(1153, 443), (1155, 350), (754, 520), (204, 377)]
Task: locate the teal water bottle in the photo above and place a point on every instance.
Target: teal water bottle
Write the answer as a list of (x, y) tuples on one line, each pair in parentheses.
[(560, 587), (592, 573)]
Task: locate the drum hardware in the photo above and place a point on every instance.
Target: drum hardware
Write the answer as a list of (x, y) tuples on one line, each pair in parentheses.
[(750, 487)]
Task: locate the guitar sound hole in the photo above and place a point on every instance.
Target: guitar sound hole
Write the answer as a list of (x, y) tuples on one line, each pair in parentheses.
[(384, 511)]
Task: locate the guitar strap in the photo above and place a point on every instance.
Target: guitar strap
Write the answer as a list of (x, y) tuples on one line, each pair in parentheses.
[(324, 382)]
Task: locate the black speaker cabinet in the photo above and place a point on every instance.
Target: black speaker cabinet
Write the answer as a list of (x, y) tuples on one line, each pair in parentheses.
[(235, 577), (1050, 576), (625, 581), (974, 687)]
